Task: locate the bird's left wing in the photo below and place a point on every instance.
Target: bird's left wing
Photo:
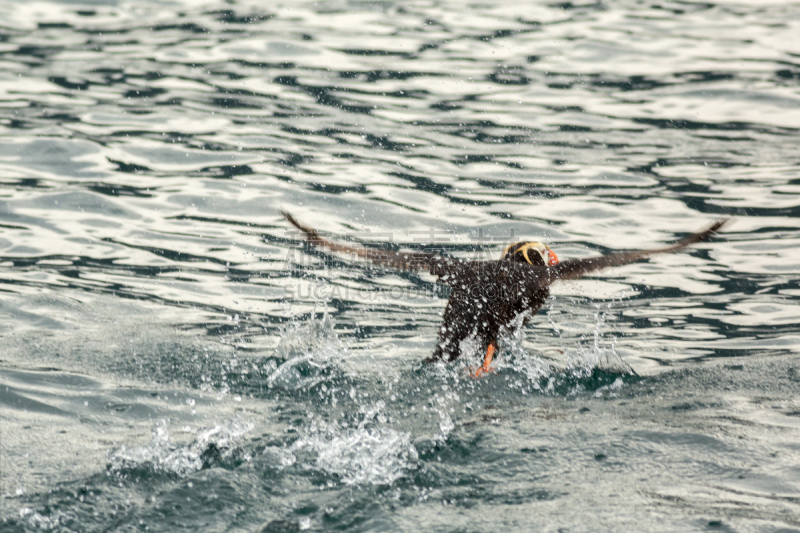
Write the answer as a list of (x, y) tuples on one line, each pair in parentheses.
[(436, 264), (577, 268)]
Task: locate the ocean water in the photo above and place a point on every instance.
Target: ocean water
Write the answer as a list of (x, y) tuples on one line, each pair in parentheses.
[(172, 358)]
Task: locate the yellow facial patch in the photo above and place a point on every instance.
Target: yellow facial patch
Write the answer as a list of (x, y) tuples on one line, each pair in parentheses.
[(549, 257)]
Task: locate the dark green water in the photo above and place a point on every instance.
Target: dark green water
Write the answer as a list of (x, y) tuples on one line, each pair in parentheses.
[(172, 360)]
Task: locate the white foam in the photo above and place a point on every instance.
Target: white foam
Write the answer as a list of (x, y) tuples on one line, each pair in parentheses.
[(378, 456), (370, 453), (45, 523), (161, 455)]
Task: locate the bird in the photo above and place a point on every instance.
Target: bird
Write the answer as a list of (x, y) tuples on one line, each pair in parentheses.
[(490, 297)]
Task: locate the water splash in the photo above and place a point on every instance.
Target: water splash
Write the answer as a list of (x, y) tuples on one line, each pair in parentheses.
[(310, 351), (532, 366), (52, 522), (369, 453), (216, 445), (278, 458), (600, 354), (358, 456), (578, 363)]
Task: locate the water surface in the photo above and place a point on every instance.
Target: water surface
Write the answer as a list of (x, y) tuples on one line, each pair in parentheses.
[(171, 357)]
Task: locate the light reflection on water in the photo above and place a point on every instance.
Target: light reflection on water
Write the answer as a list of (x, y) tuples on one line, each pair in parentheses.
[(151, 287)]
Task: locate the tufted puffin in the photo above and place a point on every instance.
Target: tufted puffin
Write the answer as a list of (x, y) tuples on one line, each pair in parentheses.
[(490, 296)]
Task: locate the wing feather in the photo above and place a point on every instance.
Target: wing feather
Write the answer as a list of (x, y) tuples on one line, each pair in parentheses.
[(577, 268), (436, 264)]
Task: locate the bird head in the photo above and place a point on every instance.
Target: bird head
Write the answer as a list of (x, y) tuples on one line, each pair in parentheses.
[(534, 253)]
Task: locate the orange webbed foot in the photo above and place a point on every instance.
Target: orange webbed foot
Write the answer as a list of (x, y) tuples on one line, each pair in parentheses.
[(478, 372), (485, 369)]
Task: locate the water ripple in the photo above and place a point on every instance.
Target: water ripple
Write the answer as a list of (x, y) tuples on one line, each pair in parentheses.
[(148, 149)]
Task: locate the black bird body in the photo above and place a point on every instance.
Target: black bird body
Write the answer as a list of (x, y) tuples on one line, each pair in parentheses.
[(489, 296), (486, 297)]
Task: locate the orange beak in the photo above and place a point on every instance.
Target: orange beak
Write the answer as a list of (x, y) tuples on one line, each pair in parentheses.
[(552, 256)]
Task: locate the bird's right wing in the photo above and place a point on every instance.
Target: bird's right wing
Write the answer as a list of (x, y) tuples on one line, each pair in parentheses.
[(577, 268), (436, 264)]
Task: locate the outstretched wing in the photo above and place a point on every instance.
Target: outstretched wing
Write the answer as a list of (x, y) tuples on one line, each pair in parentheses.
[(577, 268), (436, 264)]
